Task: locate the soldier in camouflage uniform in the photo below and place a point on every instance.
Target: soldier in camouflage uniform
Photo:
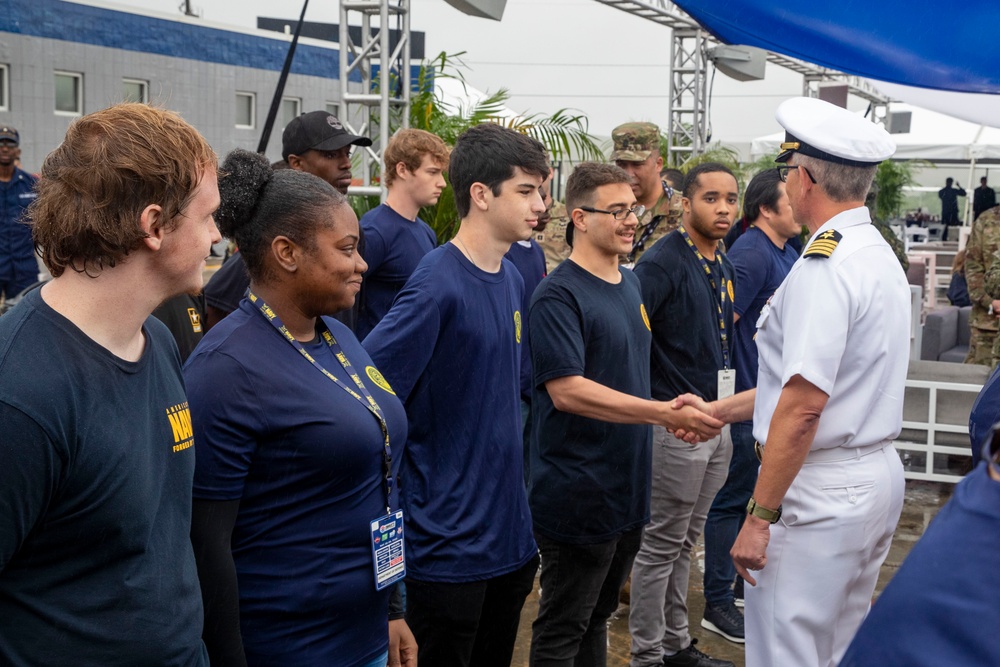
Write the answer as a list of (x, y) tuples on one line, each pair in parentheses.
[(981, 251), (550, 233), (991, 285), (886, 231), (637, 151)]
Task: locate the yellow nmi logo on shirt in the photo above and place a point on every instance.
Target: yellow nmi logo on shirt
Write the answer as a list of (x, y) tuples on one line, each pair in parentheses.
[(180, 423)]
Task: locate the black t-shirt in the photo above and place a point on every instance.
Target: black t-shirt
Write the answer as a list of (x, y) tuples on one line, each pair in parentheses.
[(183, 315), (96, 467), (687, 347), (590, 479)]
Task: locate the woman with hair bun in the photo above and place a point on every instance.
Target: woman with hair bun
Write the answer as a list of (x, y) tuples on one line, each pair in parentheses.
[(298, 442)]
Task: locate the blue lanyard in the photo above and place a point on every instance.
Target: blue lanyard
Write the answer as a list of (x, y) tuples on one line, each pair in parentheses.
[(719, 291), (368, 401)]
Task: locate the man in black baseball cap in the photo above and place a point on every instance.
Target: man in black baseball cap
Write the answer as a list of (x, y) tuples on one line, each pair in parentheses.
[(317, 143)]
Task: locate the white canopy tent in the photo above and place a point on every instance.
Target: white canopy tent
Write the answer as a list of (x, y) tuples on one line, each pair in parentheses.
[(933, 136)]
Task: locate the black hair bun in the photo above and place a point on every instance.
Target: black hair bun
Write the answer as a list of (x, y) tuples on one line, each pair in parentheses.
[(244, 175)]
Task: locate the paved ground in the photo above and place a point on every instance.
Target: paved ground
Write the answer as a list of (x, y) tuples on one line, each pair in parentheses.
[(923, 500)]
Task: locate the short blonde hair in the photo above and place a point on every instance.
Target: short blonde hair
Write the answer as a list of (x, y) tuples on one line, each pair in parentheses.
[(409, 146)]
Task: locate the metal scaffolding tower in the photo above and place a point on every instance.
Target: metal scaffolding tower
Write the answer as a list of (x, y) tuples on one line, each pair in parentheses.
[(688, 113), (375, 63)]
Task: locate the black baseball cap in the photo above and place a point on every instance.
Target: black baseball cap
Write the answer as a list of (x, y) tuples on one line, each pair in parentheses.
[(317, 130)]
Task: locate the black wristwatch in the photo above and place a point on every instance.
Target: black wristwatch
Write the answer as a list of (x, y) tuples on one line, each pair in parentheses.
[(761, 512)]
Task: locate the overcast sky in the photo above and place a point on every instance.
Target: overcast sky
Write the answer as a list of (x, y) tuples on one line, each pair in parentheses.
[(551, 54)]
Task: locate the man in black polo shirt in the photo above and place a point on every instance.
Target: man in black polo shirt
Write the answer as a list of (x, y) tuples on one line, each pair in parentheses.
[(687, 287), (590, 442)]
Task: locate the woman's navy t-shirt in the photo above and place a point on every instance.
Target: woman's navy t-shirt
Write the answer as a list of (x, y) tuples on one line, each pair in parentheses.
[(305, 460)]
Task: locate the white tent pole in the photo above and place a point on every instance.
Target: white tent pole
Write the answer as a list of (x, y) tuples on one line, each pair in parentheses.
[(966, 221)]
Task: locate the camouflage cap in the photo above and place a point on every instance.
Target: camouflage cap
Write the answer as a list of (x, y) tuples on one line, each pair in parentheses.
[(634, 142)]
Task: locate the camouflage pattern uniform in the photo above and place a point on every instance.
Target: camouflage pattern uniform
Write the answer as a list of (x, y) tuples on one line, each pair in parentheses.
[(893, 241), (552, 239), (635, 142), (984, 242), (991, 284)]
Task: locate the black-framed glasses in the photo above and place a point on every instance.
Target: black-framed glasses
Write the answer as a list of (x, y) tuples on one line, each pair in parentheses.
[(783, 170), (618, 214)]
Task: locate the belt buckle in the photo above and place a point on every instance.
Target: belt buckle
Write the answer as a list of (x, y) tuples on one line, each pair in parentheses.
[(758, 449)]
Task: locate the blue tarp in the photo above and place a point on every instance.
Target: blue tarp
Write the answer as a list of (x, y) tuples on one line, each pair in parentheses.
[(913, 42)]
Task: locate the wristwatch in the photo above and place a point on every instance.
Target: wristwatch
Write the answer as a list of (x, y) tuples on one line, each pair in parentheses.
[(761, 512)]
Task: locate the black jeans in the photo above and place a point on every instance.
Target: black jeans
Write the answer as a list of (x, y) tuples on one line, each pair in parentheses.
[(474, 623), (580, 588)]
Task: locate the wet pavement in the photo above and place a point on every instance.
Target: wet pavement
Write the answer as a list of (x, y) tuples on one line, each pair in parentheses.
[(922, 502)]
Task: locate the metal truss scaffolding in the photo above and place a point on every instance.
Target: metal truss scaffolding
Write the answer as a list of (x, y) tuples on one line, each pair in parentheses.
[(688, 113), (382, 98), (688, 89)]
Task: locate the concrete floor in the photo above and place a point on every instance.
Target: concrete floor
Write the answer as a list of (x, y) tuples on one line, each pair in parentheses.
[(923, 500)]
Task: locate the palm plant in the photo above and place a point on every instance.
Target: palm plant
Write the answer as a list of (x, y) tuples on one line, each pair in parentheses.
[(890, 181), (564, 133)]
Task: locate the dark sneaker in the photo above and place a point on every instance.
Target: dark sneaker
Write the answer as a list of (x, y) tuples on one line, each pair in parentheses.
[(692, 657), (738, 592), (725, 620)]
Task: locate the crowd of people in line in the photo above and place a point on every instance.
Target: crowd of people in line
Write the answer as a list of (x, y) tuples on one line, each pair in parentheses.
[(359, 447)]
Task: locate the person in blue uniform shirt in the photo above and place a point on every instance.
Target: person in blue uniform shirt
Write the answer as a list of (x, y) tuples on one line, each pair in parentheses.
[(940, 608), (299, 438), (18, 267), (96, 448), (450, 347), (833, 350), (396, 239)]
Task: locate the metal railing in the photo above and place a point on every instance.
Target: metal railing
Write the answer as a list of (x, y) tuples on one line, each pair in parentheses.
[(920, 459)]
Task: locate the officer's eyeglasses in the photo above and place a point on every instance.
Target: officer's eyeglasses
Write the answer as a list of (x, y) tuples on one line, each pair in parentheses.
[(618, 214), (785, 168)]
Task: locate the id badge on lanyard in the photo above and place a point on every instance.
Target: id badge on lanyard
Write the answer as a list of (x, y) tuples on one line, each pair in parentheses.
[(388, 550), (388, 554)]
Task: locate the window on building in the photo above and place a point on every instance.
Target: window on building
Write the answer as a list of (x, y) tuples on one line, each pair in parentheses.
[(291, 107), (334, 108), (135, 90), (69, 94), (4, 87), (246, 110)]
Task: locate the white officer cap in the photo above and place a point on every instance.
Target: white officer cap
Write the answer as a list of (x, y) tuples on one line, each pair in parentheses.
[(828, 132)]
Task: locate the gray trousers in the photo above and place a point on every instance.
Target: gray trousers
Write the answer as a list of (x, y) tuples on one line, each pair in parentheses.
[(685, 481)]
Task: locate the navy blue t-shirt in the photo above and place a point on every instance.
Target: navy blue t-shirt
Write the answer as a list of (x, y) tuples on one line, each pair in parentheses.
[(96, 461), (305, 460), (590, 479), (530, 262), (393, 248), (450, 347), (687, 345), (941, 607), (760, 267), (984, 415)]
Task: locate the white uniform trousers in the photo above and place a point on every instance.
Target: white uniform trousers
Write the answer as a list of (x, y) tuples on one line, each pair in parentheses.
[(823, 559)]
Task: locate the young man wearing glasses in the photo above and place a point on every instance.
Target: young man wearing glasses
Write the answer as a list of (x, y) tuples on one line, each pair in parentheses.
[(591, 439), (687, 286)]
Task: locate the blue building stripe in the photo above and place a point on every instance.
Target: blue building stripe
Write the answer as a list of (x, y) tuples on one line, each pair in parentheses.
[(66, 21)]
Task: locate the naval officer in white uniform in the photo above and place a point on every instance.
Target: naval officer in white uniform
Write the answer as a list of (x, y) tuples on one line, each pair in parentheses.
[(833, 345)]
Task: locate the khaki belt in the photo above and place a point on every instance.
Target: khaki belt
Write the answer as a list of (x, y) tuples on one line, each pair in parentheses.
[(832, 454)]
